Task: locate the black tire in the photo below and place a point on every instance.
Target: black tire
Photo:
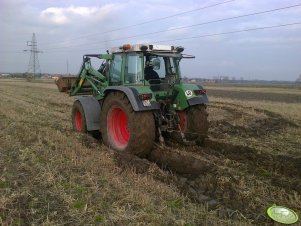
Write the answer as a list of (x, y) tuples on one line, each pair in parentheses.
[(194, 124), (78, 118), (125, 130)]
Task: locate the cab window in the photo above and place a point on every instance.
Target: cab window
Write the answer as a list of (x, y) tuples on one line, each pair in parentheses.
[(159, 70), (133, 69), (116, 68)]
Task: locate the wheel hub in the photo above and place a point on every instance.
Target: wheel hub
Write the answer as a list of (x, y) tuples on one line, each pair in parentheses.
[(78, 121), (118, 127)]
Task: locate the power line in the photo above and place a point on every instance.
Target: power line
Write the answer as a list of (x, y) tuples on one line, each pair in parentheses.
[(232, 32), (153, 20), (217, 34), (220, 20), (188, 26), (10, 51)]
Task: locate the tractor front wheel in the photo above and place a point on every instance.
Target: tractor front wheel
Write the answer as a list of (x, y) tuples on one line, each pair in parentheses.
[(78, 118), (125, 130)]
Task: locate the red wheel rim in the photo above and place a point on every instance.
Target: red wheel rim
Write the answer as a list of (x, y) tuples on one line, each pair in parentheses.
[(182, 120), (78, 121), (118, 127)]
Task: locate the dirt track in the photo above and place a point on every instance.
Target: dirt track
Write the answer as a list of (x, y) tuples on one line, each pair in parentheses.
[(228, 178), (247, 95)]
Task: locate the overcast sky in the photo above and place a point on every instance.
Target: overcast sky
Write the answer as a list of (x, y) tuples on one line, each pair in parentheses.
[(65, 30)]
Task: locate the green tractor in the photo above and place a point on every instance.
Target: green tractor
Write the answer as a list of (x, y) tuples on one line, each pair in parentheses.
[(136, 98)]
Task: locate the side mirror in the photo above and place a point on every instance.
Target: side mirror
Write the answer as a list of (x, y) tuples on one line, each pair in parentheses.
[(156, 63), (87, 63)]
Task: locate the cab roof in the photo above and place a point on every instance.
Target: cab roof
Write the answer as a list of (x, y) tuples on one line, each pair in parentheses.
[(148, 48)]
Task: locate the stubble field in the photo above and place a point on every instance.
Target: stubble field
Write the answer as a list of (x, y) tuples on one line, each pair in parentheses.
[(50, 175)]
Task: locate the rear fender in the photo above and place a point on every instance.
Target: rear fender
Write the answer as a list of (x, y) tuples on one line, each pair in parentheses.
[(92, 111), (185, 96), (201, 99), (133, 96)]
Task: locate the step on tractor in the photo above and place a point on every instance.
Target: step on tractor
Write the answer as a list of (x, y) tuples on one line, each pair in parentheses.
[(134, 96)]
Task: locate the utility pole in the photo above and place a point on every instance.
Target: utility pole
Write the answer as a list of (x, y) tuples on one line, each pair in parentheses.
[(34, 69), (67, 67)]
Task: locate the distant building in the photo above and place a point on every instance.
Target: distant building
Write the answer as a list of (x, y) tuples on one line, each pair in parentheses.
[(5, 75)]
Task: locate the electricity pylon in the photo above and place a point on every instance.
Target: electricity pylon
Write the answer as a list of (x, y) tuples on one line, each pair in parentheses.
[(34, 69)]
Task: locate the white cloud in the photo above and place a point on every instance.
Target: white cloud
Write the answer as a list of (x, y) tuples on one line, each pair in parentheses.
[(66, 15), (55, 15)]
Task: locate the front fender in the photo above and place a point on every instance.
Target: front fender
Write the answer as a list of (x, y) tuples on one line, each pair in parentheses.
[(92, 111)]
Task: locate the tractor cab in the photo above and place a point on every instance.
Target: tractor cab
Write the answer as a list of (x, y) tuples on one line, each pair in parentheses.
[(152, 65)]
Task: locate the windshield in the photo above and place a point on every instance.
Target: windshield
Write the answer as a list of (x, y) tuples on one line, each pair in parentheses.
[(161, 65), (156, 68)]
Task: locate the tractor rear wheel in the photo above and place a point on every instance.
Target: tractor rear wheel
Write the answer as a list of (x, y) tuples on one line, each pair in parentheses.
[(125, 130), (78, 118), (193, 123)]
